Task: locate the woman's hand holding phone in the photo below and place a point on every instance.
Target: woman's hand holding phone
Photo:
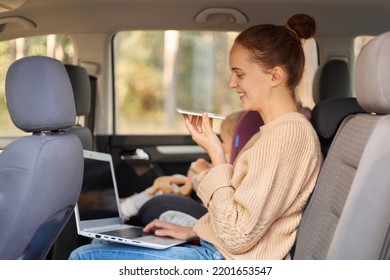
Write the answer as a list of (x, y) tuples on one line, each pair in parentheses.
[(201, 130)]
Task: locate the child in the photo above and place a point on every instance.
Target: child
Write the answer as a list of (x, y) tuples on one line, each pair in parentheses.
[(181, 184)]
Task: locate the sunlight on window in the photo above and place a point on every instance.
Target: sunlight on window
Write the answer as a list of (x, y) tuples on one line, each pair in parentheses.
[(169, 69), (171, 46)]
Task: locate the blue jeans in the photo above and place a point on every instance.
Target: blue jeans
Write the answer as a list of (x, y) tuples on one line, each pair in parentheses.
[(105, 250)]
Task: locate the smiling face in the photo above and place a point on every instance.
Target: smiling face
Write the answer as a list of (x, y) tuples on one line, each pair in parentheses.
[(252, 83)]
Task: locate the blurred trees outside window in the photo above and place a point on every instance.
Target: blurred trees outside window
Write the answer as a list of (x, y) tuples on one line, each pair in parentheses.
[(158, 71)]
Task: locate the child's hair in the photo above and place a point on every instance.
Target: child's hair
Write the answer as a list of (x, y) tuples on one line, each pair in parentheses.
[(272, 45), (229, 124)]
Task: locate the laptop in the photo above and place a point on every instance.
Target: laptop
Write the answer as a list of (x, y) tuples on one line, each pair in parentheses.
[(97, 211)]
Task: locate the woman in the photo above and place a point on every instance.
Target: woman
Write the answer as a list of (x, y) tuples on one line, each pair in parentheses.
[(254, 206)]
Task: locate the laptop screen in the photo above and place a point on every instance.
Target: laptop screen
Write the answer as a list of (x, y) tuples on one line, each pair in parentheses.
[(97, 198)]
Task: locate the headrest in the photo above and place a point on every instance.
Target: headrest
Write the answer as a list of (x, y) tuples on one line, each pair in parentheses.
[(372, 83), (327, 115), (81, 88), (39, 94), (332, 79)]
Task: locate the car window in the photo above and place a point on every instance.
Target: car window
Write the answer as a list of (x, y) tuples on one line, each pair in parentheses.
[(56, 46), (157, 71)]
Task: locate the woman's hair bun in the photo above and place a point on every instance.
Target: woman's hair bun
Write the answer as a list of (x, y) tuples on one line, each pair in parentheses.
[(303, 25)]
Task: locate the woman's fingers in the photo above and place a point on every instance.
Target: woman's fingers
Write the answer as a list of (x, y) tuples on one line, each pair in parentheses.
[(201, 130), (208, 122), (158, 224), (199, 122), (152, 225), (161, 228)]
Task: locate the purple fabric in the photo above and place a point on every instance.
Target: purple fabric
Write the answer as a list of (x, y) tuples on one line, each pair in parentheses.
[(248, 125)]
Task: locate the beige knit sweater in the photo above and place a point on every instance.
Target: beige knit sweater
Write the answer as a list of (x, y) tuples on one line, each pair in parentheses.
[(255, 206)]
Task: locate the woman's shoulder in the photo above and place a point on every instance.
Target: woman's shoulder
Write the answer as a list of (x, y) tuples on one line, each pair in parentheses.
[(292, 120), (291, 127)]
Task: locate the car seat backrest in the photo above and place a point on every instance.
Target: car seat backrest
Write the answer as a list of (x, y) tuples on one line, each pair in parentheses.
[(332, 80), (333, 98), (348, 215), (69, 240), (82, 95), (327, 116), (40, 174)]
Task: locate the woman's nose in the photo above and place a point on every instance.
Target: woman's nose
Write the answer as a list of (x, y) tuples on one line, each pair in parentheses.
[(232, 82)]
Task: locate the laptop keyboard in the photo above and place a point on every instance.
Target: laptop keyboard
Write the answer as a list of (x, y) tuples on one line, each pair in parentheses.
[(130, 233)]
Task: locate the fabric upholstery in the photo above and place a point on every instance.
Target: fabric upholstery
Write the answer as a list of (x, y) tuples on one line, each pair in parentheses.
[(334, 101), (365, 218), (333, 184), (81, 86), (41, 174), (39, 104), (69, 240), (332, 80), (336, 109), (372, 76), (327, 116), (348, 215)]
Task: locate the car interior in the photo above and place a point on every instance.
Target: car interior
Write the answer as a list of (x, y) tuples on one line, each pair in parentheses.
[(126, 65)]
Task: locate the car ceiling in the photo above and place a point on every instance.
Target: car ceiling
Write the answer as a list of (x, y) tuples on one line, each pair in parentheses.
[(334, 18)]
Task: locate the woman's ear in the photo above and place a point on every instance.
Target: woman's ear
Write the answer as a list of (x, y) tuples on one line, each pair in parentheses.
[(278, 75)]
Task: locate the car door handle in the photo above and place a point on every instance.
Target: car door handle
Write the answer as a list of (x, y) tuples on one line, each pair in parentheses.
[(137, 154)]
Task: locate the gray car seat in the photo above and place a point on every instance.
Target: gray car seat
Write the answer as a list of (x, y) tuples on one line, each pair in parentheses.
[(348, 216), (69, 240), (334, 102), (40, 174), (82, 94), (332, 80), (327, 116)]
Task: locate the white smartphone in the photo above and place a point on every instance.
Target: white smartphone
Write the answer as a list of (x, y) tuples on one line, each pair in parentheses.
[(197, 113)]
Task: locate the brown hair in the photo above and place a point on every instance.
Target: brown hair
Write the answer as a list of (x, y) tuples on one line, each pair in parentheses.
[(280, 45)]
